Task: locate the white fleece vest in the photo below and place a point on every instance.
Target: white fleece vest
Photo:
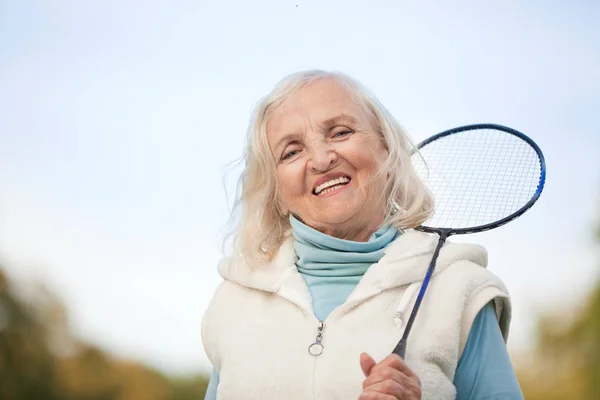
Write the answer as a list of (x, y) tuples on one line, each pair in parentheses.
[(260, 322)]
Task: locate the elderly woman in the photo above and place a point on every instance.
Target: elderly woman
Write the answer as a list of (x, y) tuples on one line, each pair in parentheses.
[(326, 265)]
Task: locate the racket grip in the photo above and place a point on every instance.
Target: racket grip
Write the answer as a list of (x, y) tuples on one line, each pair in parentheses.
[(400, 348)]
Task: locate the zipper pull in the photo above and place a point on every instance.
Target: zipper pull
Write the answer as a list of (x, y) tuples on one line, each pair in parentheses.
[(316, 349)]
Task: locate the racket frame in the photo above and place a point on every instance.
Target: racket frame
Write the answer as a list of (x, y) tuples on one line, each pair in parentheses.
[(444, 233), (519, 212)]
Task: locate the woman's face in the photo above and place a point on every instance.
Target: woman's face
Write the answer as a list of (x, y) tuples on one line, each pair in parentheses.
[(327, 152)]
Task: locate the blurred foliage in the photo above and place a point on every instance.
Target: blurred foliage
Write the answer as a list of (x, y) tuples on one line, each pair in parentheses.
[(40, 360), (566, 361)]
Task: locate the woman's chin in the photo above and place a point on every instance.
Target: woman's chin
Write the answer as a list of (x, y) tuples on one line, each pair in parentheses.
[(340, 206), (338, 216)]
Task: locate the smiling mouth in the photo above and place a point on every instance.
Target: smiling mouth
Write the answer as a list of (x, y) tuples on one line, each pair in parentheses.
[(331, 185)]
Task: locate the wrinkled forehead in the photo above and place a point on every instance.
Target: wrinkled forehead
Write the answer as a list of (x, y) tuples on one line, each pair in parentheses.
[(316, 104)]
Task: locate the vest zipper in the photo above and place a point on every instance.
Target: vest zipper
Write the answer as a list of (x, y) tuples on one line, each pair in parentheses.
[(316, 349)]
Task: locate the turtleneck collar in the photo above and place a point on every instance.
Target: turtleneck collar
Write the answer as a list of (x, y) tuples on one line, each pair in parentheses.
[(332, 267), (323, 255)]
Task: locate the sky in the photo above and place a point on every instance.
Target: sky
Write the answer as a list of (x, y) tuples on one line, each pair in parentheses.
[(118, 120)]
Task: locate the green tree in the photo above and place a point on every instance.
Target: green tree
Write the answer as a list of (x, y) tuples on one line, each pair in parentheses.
[(41, 360), (27, 366), (566, 361)]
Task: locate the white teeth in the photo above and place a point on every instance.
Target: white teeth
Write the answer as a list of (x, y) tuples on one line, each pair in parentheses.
[(327, 186)]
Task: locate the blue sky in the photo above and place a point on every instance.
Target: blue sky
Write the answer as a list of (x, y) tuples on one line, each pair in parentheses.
[(117, 119)]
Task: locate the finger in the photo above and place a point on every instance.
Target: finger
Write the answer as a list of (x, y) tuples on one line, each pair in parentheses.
[(366, 363), (396, 362), (375, 396), (382, 374), (387, 387), (406, 387)]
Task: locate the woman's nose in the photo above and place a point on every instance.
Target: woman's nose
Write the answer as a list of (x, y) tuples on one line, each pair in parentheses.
[(322, 158)]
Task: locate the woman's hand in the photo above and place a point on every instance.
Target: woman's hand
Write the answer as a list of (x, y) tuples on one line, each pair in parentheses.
[(390, 379)]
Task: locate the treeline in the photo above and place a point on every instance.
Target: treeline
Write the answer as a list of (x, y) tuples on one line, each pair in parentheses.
[(40, 360), (565, 364)]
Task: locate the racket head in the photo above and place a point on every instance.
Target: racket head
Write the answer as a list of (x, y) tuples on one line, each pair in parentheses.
[(481, 176)]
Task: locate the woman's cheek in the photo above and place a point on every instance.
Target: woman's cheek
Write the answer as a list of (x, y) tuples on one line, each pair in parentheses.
[(291, 179)]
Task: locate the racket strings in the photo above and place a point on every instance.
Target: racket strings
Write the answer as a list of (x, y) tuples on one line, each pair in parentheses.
[(477, 177)]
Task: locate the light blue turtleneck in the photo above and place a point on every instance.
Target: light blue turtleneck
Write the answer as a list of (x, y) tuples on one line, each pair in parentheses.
[(333, 267)]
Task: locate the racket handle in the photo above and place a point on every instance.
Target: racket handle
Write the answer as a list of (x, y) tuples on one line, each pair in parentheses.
[(400, 348)]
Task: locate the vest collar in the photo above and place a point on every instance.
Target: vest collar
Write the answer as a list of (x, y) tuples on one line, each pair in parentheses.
[(405, 261)]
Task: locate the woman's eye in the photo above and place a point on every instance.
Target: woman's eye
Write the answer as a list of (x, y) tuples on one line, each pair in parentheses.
[(343, 133), (289, 154)]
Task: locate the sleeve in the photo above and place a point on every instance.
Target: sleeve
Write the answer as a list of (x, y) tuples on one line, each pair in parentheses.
[(211, 391), (484, 370)]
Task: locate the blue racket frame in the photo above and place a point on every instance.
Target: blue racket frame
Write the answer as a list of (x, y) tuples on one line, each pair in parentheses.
[(444, 233)]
